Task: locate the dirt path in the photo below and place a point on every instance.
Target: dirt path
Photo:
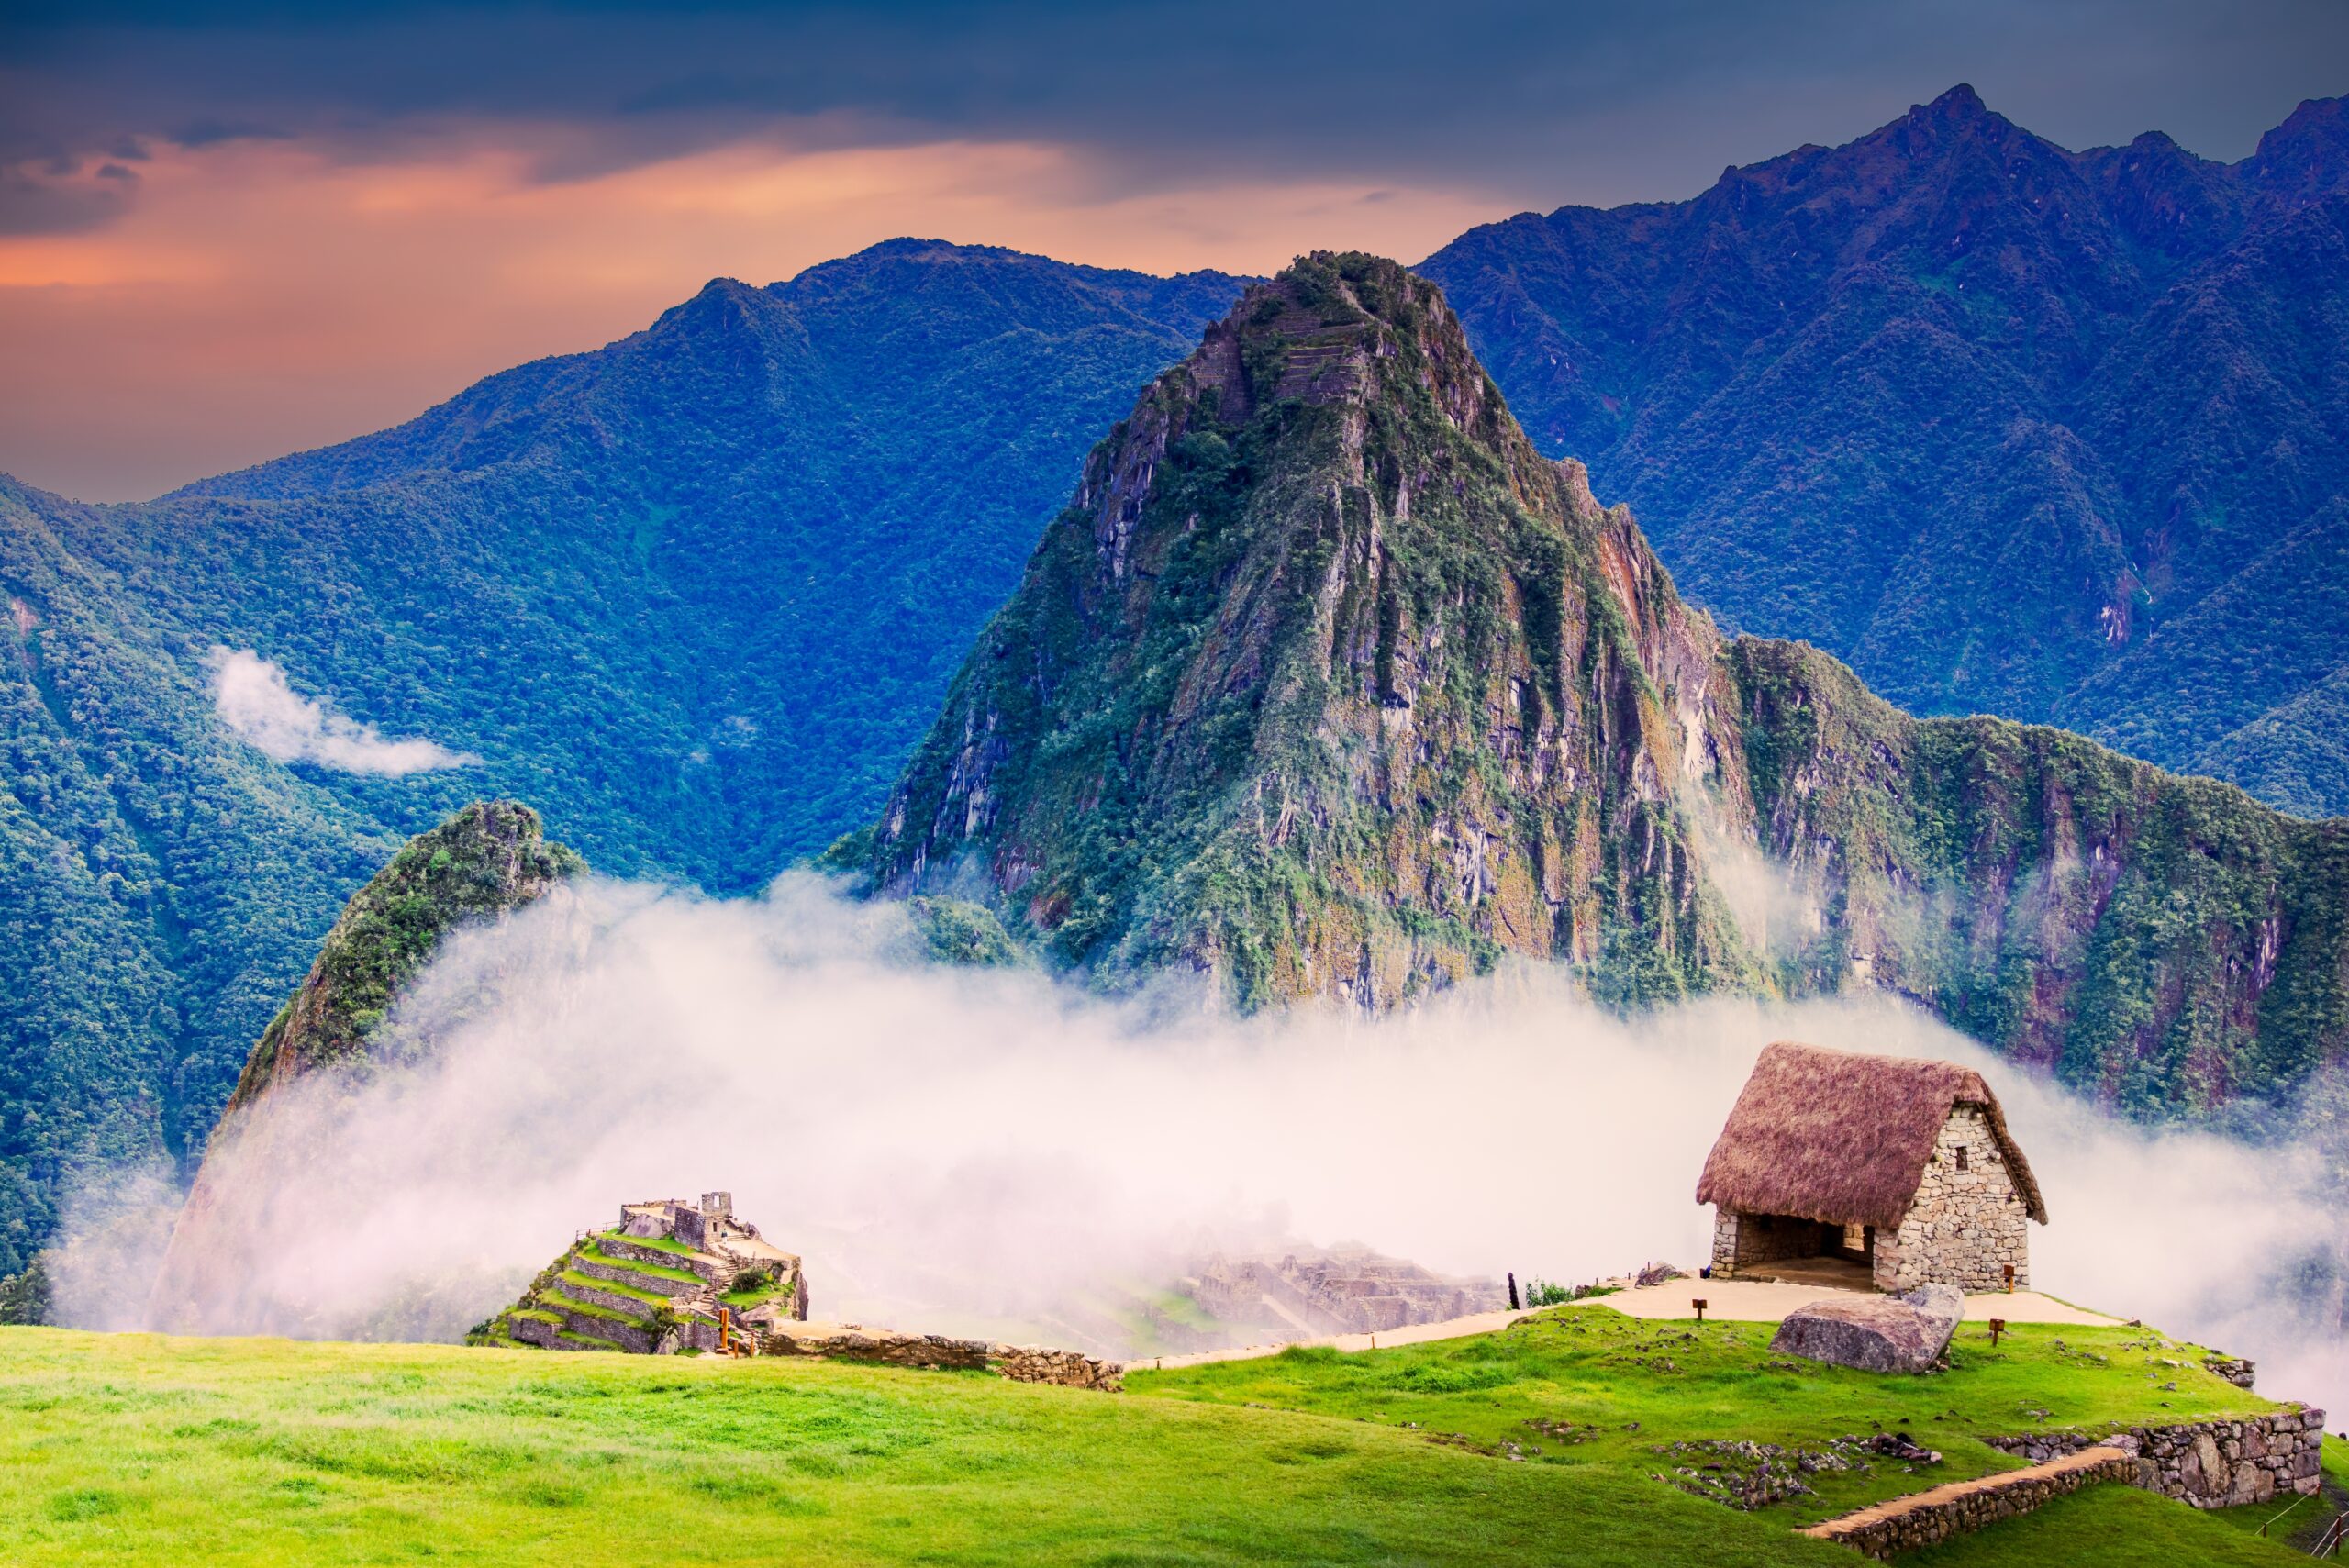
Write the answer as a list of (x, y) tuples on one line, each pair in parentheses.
[(1749, 1301)]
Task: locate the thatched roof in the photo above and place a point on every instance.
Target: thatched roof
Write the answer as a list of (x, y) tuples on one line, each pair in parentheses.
[(1839, 1137)]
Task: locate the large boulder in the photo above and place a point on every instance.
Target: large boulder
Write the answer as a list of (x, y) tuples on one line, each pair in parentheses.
[(1875, 1333)]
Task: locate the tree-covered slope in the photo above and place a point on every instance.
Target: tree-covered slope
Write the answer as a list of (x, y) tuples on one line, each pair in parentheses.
[(484, 862), (694, 594), (1327, 683), (2014, 429)]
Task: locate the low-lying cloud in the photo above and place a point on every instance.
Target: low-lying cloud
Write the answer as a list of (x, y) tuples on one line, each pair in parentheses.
[(253, 698), (990, 1151)]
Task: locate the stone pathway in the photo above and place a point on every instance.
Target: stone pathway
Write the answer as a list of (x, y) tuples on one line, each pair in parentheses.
[(1749, 1301), (1768, 1301)]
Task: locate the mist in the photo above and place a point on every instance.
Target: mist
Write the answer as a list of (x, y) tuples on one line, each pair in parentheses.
[(980, 1151), (253, 698)]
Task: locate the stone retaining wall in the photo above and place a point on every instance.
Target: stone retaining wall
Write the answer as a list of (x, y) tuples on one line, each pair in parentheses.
[(2211, 1464), (1960, 1507), (1025, 1363), (939, 1353)]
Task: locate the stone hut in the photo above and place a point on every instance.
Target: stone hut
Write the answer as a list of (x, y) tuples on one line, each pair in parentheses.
[(1842, 1168)]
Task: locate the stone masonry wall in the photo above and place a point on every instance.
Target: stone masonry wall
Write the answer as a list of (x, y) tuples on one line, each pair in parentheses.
[(1904, 1524), (1966, 1225), (1752, 1239), (2211, 1464)]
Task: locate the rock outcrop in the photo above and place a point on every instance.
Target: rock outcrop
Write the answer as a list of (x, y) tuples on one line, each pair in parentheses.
[(1908, 1333)]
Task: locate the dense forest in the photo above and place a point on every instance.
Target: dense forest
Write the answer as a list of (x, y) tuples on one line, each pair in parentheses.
[(2013, 429), (692, 594)]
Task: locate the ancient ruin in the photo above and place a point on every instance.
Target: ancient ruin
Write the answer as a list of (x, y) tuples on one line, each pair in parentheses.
[(679, 1278), (1838, 1167), (671, 1277), (1346, 1290)]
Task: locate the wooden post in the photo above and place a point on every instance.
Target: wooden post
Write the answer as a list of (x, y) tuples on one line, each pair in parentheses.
[(1998, 1327), (2011, 1279), (1698, 1302)]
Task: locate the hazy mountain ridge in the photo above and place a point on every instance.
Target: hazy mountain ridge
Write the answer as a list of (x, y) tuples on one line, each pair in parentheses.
[(2001, 423), (1326, 683), (692, 594)]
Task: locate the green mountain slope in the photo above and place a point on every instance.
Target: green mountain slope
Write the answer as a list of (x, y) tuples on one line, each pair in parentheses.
[(1327, 683), (694, 594), (486, 862), (2012, 428)]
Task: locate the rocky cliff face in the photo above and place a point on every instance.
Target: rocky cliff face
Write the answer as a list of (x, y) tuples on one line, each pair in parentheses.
[(486, 862), (1328, 683)]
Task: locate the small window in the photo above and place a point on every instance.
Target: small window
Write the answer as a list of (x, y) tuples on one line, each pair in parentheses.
[(1961, 1158)]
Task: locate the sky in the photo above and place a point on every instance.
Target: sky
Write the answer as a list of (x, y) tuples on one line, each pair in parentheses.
[(229, 231)]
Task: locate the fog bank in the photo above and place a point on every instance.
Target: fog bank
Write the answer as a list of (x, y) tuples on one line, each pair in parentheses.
[(983, 1150)]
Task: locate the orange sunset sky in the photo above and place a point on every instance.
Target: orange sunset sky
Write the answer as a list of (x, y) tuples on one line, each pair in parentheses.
[(227, 232)]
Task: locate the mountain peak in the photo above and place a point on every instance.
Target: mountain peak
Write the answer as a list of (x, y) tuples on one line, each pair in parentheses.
[(2307, 156), (1318, 554), (1960, 104)]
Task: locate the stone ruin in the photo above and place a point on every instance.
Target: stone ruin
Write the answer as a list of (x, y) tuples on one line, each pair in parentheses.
[(672, 1276), (679, 1278), (1347, 1290)]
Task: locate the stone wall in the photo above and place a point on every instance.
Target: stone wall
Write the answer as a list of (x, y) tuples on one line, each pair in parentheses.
[(1745, 1240), (2211, 1464), (1965, 1224), (1921, 1518), (1025, 1363), (939, 1352)]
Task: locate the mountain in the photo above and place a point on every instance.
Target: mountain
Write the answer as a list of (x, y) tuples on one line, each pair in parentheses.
[(484, 862), (2059, 436), (1326, 682), (693, 595)]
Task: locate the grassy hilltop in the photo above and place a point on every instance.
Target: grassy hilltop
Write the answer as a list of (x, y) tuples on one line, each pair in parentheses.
[(144, 1449)]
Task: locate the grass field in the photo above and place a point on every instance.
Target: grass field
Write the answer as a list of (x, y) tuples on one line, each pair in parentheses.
[(131, 1449)]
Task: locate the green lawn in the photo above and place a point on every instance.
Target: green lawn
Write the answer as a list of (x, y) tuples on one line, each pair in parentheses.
[(135, 1449), (1623, 1387)]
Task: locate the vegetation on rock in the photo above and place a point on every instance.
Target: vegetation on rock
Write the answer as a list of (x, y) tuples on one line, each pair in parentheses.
[(485, 861), (693, 595), (1328, 683), (2052, 434)]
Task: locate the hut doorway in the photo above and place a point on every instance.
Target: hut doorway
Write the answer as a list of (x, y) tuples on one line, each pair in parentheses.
[(1794, 1250)]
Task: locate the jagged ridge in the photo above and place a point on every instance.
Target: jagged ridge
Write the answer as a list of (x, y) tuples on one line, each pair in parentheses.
[(1328, 683)]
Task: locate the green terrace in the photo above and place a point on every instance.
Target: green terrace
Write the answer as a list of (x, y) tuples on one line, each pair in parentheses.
[(590, 1253), (559, 1302), (573, 1278), (657, 1243)]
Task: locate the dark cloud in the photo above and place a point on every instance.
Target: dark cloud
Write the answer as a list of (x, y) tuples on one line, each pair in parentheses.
[(45, 201), (1539, 103)]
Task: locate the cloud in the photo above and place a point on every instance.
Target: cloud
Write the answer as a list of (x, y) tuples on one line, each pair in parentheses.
[(501, 182), (993, 1151), (253, 698)]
